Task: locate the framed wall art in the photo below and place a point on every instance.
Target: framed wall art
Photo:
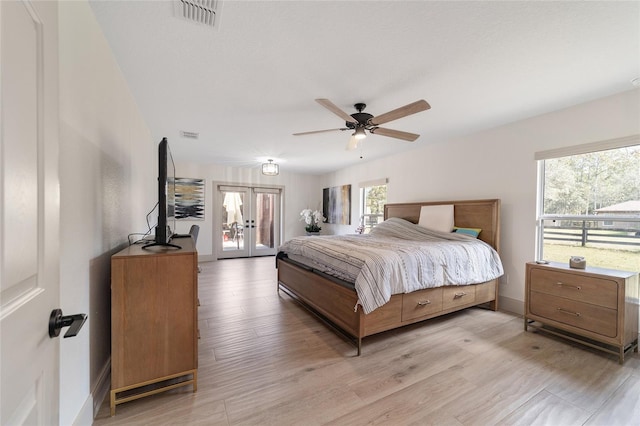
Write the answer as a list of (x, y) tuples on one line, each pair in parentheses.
[(189, 198), (336, 204)]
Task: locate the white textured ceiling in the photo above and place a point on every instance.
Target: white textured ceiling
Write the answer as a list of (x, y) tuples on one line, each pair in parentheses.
[(251, 83)]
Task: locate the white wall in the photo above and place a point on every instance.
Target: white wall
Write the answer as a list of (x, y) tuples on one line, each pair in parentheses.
[(300, 191), (107, 185), (497, 163)]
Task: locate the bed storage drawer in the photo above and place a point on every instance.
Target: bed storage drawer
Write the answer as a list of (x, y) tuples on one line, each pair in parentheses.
[(455, 296), (486, 292), (420, 303)]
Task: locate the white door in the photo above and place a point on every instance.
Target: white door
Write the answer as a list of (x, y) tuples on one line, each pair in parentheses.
[(250, 221), (29, 212)]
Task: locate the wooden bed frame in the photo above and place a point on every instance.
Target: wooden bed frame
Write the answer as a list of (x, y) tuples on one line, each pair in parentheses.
[(334, 302)]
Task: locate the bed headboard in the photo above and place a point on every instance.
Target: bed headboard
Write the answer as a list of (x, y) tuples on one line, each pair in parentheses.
[(483, 214)]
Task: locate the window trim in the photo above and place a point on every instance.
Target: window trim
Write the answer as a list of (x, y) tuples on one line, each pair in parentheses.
[(586, 148), (374, 182)]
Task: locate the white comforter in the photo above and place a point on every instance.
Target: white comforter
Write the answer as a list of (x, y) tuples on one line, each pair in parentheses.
[(397, 257)]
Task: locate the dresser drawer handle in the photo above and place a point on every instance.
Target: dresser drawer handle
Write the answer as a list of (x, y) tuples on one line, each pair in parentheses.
[(459, 295), (424, 303), (575, 314), (575, 287)]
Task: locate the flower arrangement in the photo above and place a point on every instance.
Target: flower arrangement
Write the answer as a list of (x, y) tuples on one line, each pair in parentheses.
[(312, 219)]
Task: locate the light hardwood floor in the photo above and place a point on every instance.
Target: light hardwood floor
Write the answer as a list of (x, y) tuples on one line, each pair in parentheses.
[(263, 360)]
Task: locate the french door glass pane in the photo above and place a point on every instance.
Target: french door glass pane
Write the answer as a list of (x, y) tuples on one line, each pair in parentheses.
[(232, 221), (265, 221)]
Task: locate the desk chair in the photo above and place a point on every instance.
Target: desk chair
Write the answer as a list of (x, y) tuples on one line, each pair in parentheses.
[(195, 229)]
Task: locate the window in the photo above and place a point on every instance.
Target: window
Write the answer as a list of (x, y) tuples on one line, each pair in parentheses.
[(589, 205), (373, 197)]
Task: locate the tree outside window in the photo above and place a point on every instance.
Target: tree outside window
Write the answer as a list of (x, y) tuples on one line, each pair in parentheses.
[(591, 208), (372, 208)]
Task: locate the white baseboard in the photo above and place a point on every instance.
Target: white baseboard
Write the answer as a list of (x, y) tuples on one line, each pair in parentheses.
[(92, 404), (511, 305), (207, 258), (102, 387)]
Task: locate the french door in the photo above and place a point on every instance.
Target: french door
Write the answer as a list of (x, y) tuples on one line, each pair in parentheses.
[(249, 221)]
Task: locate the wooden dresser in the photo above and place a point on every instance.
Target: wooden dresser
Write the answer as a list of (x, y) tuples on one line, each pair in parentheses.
[(154, 335), (593, 306)]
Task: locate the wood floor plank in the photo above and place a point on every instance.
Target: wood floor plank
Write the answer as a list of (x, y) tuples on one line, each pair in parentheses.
[(412, 403), (264, 360), (625, 400), (494, 399), (592, 391), (546, 409)]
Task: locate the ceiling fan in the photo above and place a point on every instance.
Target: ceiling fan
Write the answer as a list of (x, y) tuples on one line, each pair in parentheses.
[(362, 121)]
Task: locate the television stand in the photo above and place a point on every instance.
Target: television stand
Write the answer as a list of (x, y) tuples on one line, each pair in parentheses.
[(154, 322)]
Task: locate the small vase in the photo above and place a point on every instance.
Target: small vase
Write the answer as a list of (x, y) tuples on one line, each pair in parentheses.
[(311, 233)]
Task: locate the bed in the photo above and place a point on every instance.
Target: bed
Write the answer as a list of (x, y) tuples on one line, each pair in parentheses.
[(335, 300)]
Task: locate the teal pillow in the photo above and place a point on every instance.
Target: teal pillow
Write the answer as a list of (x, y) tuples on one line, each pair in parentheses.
[(473, 232)]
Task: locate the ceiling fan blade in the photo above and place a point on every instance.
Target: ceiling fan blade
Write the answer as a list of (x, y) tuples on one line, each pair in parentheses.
[(405, 136), (412, 108), (353, 143), (318, 131), (337, 111)]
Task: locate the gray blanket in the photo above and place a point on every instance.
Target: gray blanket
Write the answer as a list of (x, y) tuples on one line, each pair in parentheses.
[(397, 256)]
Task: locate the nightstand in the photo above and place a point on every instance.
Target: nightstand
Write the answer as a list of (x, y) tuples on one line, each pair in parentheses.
[(594, 306)]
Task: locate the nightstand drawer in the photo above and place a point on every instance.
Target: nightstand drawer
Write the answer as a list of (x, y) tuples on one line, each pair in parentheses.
[(596, 291), (593, 318)]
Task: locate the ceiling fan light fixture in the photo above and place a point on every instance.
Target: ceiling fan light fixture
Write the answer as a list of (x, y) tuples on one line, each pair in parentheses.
[(270, 168), (353, 143), (360, 134), (360, 122)]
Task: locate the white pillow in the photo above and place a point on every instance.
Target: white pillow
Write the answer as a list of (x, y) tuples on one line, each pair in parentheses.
[(437, 218)]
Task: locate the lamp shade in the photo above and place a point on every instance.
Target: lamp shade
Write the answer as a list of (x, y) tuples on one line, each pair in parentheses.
[(270, 168)]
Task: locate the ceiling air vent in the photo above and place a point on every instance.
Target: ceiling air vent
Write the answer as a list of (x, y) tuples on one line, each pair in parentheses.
[(189, 135), (201, 11)]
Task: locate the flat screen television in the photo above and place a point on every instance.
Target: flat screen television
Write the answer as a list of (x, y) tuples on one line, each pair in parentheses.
[(166, 197)]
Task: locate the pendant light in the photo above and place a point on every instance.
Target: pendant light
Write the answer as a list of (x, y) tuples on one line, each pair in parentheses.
[(270, 168)]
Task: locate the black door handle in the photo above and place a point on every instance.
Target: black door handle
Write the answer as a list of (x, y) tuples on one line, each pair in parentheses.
[(57, 321)]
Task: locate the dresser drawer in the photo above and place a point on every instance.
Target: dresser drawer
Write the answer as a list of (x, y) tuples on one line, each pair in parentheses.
[(455, 296), (420, 303), (585, 316), (597, 291)]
